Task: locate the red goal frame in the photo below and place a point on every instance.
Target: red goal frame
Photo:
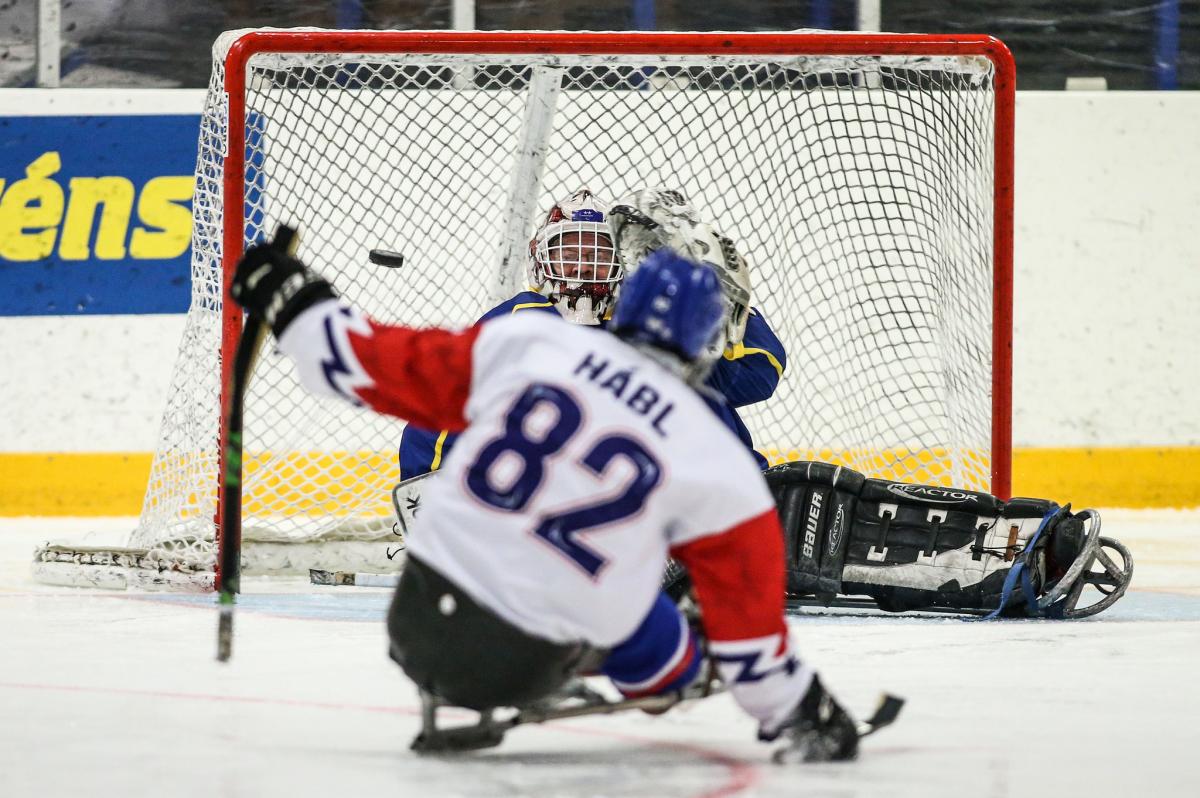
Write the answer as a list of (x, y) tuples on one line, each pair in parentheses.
[(649, 43)]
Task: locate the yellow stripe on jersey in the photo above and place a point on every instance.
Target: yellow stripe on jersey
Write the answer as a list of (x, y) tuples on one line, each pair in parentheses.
[(738, 351), (524, 305), (437, 450)]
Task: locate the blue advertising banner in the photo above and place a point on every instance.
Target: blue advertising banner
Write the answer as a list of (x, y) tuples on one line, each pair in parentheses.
[(95, 214)]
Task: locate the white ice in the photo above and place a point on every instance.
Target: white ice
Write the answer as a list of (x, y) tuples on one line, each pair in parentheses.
[(118, 694)]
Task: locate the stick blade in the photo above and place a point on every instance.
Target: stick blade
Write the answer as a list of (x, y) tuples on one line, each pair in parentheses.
[(464, 738), (885, 715)]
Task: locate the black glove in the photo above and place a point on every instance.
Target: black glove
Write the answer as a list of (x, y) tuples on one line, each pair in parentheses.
[(274, 286), (819, 730)]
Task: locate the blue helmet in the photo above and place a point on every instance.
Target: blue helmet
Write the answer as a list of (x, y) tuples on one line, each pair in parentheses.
[(671, 303)]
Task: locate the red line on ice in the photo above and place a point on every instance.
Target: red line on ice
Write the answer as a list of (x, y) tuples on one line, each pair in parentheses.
[(742, 774)]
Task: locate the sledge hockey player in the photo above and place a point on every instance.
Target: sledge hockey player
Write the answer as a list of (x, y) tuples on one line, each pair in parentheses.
[(574, 271), (584, 459)]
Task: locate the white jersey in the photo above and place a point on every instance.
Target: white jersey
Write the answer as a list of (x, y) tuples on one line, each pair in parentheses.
[(581, 465), (613, 460)]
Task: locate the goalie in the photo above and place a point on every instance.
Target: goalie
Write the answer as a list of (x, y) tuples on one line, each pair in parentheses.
[(579, 256), (577, 259)]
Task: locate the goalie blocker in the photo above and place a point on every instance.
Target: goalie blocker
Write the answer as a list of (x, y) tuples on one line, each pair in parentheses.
[(917, 547)]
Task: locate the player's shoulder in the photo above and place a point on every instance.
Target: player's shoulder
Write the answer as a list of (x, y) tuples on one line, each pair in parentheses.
[(518, 304), (508, 335)]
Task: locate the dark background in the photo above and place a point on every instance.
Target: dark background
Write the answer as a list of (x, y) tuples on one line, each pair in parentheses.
[(1133, 45)]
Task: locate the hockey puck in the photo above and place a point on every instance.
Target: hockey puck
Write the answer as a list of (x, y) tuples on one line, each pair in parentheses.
[(386, 258)]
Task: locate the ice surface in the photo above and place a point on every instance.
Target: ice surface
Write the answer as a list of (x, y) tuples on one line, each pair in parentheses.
[(118, 694)]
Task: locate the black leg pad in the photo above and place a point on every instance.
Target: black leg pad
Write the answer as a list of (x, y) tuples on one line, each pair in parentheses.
[(816, 504)]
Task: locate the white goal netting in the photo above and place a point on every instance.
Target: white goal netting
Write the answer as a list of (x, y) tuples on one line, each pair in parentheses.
[(861, 189)]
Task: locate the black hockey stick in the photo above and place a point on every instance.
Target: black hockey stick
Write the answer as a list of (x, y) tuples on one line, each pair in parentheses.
[(885, 715), (489, 731), (231, 511)]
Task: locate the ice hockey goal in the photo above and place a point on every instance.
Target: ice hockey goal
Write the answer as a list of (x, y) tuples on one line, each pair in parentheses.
[(867, 179)]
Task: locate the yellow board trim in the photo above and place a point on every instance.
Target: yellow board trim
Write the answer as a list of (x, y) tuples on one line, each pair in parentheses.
[(738, 351), (73, 484), (437, 450), (341, 484), (95, 484), (1110, 477)]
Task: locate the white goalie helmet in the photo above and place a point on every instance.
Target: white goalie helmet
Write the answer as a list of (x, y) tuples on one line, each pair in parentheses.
[(652, 218), (572, 261)]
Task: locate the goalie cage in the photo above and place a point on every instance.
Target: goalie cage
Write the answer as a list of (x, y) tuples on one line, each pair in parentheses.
[(867, 178)]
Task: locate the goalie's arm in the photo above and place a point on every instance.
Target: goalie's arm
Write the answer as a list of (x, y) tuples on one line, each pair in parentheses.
[(750, 370)]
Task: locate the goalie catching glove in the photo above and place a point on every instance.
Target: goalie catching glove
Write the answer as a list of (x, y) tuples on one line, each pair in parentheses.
[(651, 219), (914, 547), (273, 285)]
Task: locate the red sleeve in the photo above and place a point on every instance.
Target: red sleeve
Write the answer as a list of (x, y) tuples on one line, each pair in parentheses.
[(739, 578), (422, 376)]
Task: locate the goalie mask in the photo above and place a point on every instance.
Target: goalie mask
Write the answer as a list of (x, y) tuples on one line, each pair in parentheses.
[(572, 261), (650, 219)]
